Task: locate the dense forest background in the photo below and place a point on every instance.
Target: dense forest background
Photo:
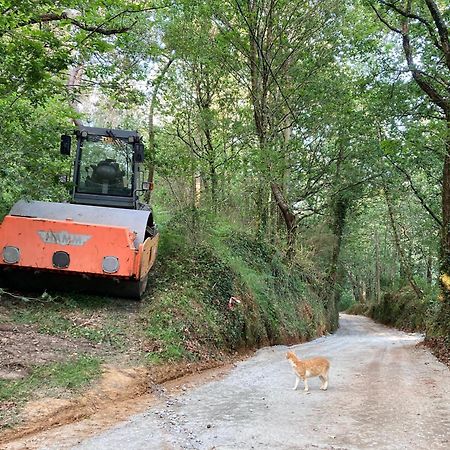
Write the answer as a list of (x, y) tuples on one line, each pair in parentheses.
[(321, 128)]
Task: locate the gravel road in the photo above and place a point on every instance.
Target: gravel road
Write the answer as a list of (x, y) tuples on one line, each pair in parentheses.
[(384, 393)]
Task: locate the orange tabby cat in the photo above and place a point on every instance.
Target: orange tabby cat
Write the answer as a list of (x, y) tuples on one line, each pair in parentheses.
[(309, 368)]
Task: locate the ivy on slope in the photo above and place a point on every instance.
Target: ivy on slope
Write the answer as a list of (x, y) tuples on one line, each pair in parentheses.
[(188, 314)]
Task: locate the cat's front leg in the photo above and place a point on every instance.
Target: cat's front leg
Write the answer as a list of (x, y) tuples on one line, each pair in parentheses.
[(297, 380), (306, 385)]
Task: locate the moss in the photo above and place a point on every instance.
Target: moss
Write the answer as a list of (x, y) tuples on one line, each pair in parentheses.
[(404, 310)]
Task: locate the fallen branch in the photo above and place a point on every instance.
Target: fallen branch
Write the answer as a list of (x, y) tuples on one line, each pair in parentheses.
[(44, 298)]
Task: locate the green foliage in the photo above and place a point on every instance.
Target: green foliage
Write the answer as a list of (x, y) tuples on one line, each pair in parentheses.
[(347, 301), (30, 164), (404, 310), (313, 100), (188, 314), (400, 310), (287, 306), (39, 40)]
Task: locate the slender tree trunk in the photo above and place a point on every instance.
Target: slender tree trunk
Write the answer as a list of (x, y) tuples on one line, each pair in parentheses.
[(195, 193), (404, 263), (363, 298), (214, 185), (340, 212), (289, 219), (356, 287), (204, 102), (429, 270), (151, 130), (377, 268), (72, 83), (262, 206), (259, 76)]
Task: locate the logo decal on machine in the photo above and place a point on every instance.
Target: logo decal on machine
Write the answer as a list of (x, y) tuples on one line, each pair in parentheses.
[(63, 238)]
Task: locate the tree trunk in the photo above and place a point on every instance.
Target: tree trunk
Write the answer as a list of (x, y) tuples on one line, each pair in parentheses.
[(214, 185), (73, 82), (195, 194), (444, 316), (259, 91), (151, 130), (429, 269), (404, 263), (289, 219), (377, 269), (363, 295), (445, 245), (340, 208), (438, 37)]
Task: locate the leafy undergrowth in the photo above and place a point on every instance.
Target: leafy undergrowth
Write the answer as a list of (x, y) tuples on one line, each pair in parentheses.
[(403, 310), (189, 314), (208, 297)]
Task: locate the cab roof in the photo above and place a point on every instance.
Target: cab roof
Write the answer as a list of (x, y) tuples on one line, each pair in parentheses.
[(121, 134)]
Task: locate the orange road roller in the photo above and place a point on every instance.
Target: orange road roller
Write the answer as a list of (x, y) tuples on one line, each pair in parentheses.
[(105, 241)]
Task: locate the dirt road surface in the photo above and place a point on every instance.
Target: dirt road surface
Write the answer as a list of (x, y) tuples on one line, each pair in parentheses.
[(384, 393)]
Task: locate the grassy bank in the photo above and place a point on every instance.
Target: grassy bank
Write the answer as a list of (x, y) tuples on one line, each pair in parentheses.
[(189, 314)]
